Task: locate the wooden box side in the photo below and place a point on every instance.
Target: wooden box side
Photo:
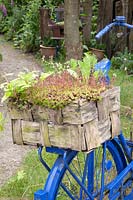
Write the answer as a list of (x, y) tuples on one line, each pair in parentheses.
[(80, 126), (31, 132), (79, 112), (16, 131), (26, 132)]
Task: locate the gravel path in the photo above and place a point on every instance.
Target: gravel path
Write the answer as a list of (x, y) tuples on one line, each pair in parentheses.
[(11, 155)]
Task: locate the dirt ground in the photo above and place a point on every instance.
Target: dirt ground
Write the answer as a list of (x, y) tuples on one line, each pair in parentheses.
[(14, 61)]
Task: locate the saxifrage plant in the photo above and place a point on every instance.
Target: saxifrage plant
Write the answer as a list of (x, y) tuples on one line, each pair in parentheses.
[(55, 90)]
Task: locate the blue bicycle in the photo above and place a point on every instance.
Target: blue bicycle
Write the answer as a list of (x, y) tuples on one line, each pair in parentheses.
[(103, 173)]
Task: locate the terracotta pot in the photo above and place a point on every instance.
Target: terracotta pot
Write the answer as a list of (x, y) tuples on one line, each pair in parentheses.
[(48, 52), (99, 53)]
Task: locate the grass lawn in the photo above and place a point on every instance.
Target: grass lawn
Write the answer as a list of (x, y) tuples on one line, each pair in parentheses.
[(31, 175)]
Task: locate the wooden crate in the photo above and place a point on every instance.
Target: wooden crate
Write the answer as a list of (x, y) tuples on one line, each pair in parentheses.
[(82, 125)]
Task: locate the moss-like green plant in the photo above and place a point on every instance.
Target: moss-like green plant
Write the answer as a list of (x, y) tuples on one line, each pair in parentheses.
[(58, 90)]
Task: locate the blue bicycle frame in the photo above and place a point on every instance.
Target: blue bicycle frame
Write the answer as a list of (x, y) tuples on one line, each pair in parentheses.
[(119, 21)]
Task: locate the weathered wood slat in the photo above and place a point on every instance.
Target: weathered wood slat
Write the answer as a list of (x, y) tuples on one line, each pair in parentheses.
[(114, 98), (59, 135), (31, 132), (20, 114), (44, 133), (91, 134), (40, 113), (17, 131), (103, 108), (115, 122), (75, 137), (82, 138), (77, 114), (104, 129)]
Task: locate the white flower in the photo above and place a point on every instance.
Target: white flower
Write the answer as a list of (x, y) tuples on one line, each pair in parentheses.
[(114, 75)]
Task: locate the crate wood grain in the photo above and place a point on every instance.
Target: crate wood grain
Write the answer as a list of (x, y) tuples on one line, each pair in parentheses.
[(15, 113), (81, 125), (16, 131), (31, 132), (39, 114), (77, 113)]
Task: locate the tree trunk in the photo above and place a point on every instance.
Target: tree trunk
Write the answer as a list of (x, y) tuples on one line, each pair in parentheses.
[(105, 17), (73, 43), (87, 8)]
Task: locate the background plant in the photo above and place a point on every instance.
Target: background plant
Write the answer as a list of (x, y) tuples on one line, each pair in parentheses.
[(93, 42), (22, 24), (47, 41), (52, 65), (28, 37), (13, 23), (123, 61)]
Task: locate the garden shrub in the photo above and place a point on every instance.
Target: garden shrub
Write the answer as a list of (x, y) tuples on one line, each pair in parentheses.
[(27, 38), (14, 22), (21, 24)]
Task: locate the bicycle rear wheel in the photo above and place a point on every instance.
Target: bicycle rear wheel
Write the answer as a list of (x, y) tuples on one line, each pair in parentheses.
[(85, 175)]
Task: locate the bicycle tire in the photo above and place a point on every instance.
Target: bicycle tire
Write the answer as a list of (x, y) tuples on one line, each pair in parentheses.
[(59, 171)]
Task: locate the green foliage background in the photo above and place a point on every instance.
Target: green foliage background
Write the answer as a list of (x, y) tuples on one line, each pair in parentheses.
[(21, 25)]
